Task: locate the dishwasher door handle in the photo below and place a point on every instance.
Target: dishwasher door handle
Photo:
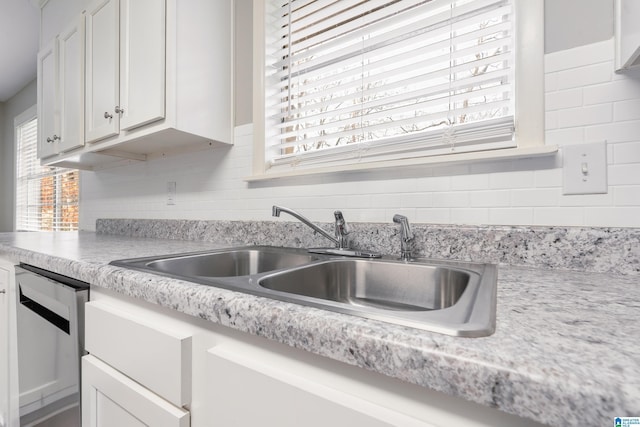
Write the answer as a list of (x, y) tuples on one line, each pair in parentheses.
[(42, 311)]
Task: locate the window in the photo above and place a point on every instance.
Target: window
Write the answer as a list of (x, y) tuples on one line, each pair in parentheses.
[(361, 81), (46, 197)]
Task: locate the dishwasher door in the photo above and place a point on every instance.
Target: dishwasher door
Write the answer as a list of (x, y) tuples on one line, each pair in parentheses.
[(50, 318)]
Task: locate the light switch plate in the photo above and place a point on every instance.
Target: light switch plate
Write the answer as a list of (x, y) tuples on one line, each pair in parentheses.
[(584, 168)]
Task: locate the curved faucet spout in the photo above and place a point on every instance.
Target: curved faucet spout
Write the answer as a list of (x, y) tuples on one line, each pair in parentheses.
[(276, 210)]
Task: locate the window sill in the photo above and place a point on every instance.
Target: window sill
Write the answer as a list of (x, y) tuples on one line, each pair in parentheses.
[(448, 159)]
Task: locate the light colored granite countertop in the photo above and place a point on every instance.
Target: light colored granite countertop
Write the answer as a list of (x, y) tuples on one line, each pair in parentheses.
[(565, 351)]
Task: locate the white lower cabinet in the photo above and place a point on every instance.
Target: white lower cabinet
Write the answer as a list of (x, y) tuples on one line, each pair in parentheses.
[(4, 347), (281, 395), (138, 372), (153, 366), (110, 398), (8, 355)]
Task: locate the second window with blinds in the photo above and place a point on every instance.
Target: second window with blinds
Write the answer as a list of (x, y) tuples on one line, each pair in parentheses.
[(353, 82), (46, 197)]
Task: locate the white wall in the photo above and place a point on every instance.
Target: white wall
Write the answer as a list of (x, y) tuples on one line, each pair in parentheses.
[(572, 23), (10, 109), (585, 102), (6, 163)]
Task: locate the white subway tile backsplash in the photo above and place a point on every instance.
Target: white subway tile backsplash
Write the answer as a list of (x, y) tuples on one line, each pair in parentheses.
[(627, 110), (551, 120), (617, 90), (472, 216), (624, 174), (550, 82), (586, 199), (493, 198), (626, 152), (605, 216), (533, 197), (470, 182), (435, 183), (548, 178), (385, 200), (450, 199), (584, 102), (558, 216), (628, 195), (418, 200), (583, 116), (517, 179), (613, 132), (433, 215), (580, 56), (511, 216), (564, 136), (585, 75), (569, 98)]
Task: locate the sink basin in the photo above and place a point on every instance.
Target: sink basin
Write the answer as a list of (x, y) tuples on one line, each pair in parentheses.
[(449, 297), (240, 262), (383, 285)]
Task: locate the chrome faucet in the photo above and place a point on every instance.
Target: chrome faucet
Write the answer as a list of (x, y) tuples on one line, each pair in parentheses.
[(341, 229), (406, 236)]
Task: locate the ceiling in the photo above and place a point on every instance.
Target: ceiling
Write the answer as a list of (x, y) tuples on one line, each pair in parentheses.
[(19, 38)]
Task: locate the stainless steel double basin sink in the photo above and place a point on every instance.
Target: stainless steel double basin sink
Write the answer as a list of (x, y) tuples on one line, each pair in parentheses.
[(449, 297)]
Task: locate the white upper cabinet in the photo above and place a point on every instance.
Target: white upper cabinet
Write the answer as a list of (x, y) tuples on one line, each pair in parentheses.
[(627, 34), (71, 85), (61, 91), (102, 70), (157, 79), (142, 62), (125, 66), (47, 132)]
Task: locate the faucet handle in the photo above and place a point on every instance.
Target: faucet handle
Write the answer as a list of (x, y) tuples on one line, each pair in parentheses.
[(406, 236), (341, 230), (405, 227)]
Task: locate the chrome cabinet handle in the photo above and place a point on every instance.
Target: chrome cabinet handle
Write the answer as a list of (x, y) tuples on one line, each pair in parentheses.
[(119, 110), (107, 115), (2, 291), (49, 140), (55, 137)]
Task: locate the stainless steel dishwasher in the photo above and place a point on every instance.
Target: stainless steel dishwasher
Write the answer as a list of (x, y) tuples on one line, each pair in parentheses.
[(50, 331)]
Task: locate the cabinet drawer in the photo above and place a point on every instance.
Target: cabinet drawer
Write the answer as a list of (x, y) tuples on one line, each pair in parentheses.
[(157, 355), (111, 399)]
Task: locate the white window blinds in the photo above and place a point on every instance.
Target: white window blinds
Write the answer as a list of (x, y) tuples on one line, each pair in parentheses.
[(353, 80), (46, 197)]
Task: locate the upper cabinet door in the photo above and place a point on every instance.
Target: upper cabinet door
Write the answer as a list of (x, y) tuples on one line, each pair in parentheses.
[(47, 111), (102, 70), (142, 62), (71, 81)]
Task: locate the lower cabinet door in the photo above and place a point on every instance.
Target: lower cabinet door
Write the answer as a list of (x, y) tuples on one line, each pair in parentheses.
[(245, 390), (110, 399), (4, 347)]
